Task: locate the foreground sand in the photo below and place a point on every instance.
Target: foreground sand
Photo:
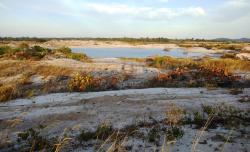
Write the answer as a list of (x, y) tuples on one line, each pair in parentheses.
[(73, 112)]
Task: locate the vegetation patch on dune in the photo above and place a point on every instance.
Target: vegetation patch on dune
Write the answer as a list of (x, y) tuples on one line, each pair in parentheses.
[(25, 52), (173, 63), (198, 73), (215, 45)]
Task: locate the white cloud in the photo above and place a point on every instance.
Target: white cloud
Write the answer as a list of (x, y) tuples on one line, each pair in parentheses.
[(116, 8), (232, 10), (145, 12)]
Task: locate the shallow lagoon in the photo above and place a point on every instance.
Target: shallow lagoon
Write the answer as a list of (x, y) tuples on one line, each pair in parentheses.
[(138, 52)]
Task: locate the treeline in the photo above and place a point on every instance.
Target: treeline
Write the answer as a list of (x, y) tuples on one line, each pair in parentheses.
[(123, 39), (25, 39)]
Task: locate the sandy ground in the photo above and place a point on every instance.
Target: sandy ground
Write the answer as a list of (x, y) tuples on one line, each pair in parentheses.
[(132, 74), (112, 44), (77, 111), (104, 44)]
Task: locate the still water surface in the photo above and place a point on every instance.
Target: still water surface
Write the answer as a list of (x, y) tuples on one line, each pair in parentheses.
[(137, 52)]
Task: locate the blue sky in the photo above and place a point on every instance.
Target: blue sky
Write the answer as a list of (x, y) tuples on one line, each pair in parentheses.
[(130, 18)]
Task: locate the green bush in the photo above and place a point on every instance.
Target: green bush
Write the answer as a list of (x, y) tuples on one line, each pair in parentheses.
[(174, 133), (198, 119), (86, 136), (64, 50), (154, 135), (68, 54), (6, 50), (32, 138), (76, 56), (37, 52)]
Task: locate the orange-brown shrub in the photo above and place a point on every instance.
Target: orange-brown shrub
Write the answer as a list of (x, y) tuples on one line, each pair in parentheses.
[(81, 82)]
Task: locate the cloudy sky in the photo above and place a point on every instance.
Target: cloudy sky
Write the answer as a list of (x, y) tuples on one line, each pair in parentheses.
[(125, 18)]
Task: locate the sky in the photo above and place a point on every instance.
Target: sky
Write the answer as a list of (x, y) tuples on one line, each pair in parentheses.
[(125, 18)]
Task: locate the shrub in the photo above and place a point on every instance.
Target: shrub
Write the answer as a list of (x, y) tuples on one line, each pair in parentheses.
[(217, 76), (76, 56), (198, 119), (154, 134), (174, 133), (85, 136), (103, 131), (64, 50), (6, 50), (24, 52), (81, 82), (37, 52), (34, 141), (68, 54), (208, 109)]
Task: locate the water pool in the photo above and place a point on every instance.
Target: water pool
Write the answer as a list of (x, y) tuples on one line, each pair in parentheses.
[(137, 52)]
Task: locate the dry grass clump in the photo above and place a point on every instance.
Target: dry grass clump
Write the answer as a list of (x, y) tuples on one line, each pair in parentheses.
[(229, 64), (173, 114), (47, 70), (86, 82), (14, 89), (8, 92), (12, 68), (81, 82)]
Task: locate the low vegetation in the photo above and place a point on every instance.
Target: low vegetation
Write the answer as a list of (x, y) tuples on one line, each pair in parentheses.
[(16, 79), (8, 92), (25, 52), (157, 133), (31, 140), (217, 45), (20, 64), (173, 63), (66, 53), (133, 59), (201, 73), (82, 82), (223, 115)]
